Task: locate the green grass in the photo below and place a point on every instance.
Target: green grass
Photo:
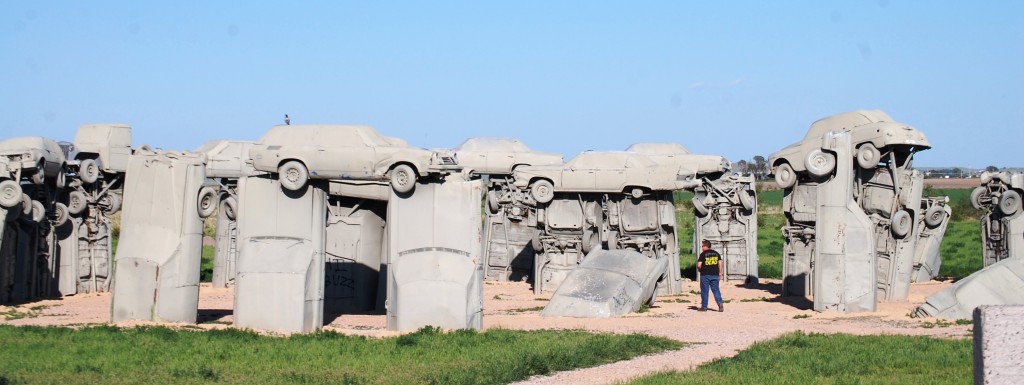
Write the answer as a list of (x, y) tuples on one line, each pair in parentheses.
[(961, 249), (835, 359), (206, 266), (157, 355)]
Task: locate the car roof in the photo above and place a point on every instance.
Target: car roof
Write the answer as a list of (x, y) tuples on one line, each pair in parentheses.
[(846, 121), (493, 143), (658, 148), (611, 159), (324, 134)]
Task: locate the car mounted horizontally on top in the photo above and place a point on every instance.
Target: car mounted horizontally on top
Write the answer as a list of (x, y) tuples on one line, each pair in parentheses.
[(298, 153), (40, 159), (604, 172), (501, 156), (875, 136)]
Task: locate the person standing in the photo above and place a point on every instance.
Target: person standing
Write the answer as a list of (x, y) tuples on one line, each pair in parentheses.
[(709, 266)]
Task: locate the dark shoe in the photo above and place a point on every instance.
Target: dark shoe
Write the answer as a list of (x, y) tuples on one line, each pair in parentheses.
[(703, 309), (721, 307)]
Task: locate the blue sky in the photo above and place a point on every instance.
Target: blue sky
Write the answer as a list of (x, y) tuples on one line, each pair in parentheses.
[(735, 78)]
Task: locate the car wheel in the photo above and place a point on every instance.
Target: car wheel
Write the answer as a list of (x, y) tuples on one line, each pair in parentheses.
[(76, 202), (820, 163), (613, 240), (230, 207), (901, 223), (38, 211), (293, 175), (934, 215), (492, 202), (26, 204), (976, 196), (10, 193), (38, 177), (403, 178), (785, 177), (61, 180), (543, 191), (111, 203), (88, 171), (62, 214), (636, 192), (538, 246), (207, 201), (699, 207), (985, 177), (591, 243), (868, 156), (1009, 202), (747, 200)]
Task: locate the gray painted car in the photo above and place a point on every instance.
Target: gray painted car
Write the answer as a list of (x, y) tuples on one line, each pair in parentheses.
[(33, 154), (676, 154), (874, 134), (302, 152), (499, 155), (604, 172)]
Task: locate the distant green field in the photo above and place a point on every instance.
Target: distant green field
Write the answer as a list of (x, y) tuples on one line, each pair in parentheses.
[(158, 355), (835, 359)]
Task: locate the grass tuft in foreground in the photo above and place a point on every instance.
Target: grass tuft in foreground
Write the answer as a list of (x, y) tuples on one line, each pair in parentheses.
[(836, 359), (146, 355)]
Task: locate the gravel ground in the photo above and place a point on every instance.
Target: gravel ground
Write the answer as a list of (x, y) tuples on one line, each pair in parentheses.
[(753, 313)]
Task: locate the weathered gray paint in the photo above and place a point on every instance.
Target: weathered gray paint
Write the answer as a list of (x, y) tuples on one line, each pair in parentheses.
[(999, 284), (354, 250), (843, 272), (927, 251), (225, 255), (510, 225), (607, 283), (159, 251), (998, 345), (435, 272), (731, 228), (279, 282)]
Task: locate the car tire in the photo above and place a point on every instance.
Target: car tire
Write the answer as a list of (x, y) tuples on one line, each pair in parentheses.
[(901, 223), (986, 176), (591, 243), (38, 177), (10, 193), (934, 215), (613, 240), (636, 192), (76, 202), (699, 207), (38, 211), (1009, 202), (26, 204), (976, 195), (542, 191), (230, 207), (62, 214), (538, 246), (820, 163), (403, 178), (492, 202), (207, 202), (112, 203), (785, 177), (747, 200), (89, 171), (868, 156), (293, 175)]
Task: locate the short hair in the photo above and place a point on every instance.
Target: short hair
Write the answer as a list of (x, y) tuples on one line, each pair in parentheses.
[(706, 243)]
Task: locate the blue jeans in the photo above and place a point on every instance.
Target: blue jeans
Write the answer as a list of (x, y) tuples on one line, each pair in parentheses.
[(707, 281)]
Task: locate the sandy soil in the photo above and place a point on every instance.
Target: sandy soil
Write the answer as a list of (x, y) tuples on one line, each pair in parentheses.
[(764, 315)]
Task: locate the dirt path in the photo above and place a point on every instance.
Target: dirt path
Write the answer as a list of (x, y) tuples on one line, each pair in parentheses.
[(753, 314)]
